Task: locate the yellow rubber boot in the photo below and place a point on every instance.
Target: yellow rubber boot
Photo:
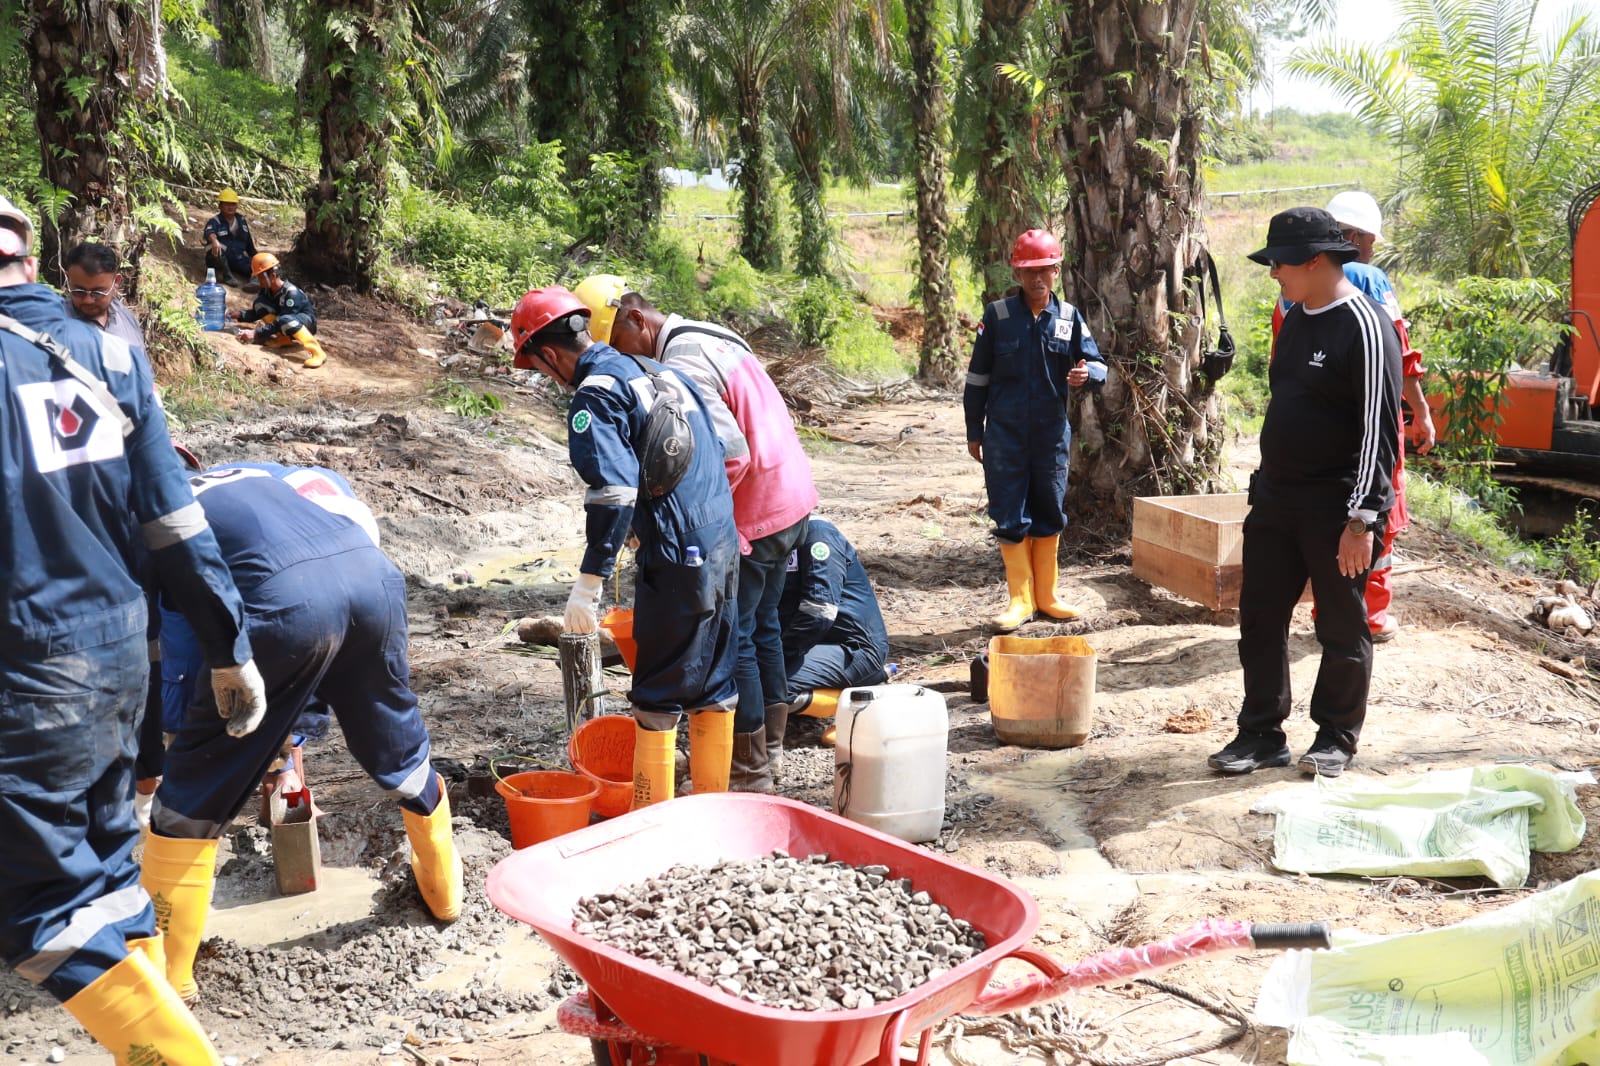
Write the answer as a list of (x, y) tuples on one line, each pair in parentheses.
[(134, 1014), (653, 751), (822, 703), (309, 342), (152, 948), (434, 861), (178, 874), (1019, 583), (710, 750), (1042, 550)]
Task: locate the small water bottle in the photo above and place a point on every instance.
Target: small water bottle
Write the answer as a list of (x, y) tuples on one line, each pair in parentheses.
[(213, 313), (693, 557)]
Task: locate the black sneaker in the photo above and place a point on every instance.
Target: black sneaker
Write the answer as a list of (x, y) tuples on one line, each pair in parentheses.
[(1251, 751), (1325, 759)]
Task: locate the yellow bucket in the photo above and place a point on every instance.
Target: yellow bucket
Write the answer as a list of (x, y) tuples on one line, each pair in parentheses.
[(1041, 690)]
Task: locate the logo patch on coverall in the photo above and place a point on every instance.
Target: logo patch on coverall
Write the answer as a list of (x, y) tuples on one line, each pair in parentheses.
[(67, 426), (580, 422), (1063, 330), (820, 552), (794, 562)]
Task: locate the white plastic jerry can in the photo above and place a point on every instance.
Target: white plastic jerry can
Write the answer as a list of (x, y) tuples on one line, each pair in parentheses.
[(889, 759)]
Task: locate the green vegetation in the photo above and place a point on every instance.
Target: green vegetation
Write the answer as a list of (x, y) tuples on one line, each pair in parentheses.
[(462, 399)]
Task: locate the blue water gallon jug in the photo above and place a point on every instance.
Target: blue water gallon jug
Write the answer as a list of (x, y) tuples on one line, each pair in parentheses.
[(213, 313)]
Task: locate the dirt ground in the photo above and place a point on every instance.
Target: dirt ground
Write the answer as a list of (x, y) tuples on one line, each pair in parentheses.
[(1125, 839)]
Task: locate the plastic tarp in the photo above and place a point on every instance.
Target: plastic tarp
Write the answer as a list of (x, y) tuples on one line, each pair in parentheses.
[(1515, 987), (1443, 823)]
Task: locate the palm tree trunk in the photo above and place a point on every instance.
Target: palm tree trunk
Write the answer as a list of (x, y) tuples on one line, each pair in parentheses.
[(638, 125), (88, 59), (344, 209), (1000, 207), (1153, 428), (758, 208), (939, 362), (242, 42), (805, 186)]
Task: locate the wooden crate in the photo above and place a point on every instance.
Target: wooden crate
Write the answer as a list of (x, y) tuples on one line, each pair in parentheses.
[(1191, 545)]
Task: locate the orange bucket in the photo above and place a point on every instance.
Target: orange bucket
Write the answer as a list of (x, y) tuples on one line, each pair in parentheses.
[(601, 749), (619, 623), (543, 804)]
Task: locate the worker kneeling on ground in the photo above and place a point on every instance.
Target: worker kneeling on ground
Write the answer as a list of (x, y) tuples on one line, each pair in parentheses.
[(639, 436), (1031, 349), (285, 313), (326, 613), (833, 632)]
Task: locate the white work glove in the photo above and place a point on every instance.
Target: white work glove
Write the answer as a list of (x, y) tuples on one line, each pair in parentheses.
[(241, 697), (583, 605)]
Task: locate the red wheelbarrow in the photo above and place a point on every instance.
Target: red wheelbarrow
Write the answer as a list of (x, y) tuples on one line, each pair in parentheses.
[(636, 1011)]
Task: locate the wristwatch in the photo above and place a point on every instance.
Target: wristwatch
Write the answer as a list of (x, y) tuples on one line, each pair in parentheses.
[(1358, 525)]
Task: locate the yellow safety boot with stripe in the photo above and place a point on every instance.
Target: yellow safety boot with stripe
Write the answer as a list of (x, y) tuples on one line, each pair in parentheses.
[(1046, 569), (441, 878), (309, 342), (179, 874), (135, 1014), (653, 751), (1019, 584), (710, 750)]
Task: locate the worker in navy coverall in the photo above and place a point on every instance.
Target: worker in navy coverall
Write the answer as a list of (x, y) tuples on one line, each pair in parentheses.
[(89, 485), (833, 632), (686, 609), (1032, 348), (327, 617)]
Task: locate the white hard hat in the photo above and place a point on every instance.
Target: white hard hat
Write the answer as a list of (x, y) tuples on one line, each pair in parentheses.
[(8, 210), (1357, 210)]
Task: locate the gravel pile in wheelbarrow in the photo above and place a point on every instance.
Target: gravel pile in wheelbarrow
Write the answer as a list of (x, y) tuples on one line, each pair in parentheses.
[(798, 934)]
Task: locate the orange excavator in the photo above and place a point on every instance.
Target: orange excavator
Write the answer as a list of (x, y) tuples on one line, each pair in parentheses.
[(1549, 431)]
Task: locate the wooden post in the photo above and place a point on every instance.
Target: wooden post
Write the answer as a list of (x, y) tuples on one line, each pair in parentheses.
[(581, 678)]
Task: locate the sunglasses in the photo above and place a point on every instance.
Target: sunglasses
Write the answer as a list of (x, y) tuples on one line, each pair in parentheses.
[(98, 294)]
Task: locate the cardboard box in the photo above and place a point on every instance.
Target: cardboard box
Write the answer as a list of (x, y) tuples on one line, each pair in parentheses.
[(1191, 545)]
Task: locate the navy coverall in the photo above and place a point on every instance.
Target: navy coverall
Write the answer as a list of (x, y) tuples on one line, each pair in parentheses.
[(80, 504), (685, 617), (238, 246), (282, 312), (833, 632), (327, 617), (1016, 404)]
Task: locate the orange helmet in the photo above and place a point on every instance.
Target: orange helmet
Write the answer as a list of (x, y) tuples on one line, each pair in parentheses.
[(263, 262), (538, 309), (1036, 248)]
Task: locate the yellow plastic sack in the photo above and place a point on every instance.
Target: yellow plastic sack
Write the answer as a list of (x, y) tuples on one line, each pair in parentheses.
[(1516, 987), (1443, 823)]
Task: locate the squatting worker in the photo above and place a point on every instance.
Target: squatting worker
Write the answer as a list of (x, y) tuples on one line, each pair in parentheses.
[(90, 485), (1319, 501), (229, 245), (327, 614), (94, 288), (285, 313), (772, 494), (833, 632), (639, 437), (1031, 348)]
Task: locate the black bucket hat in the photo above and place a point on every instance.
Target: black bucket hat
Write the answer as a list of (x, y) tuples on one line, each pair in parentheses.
[(1295, 235)]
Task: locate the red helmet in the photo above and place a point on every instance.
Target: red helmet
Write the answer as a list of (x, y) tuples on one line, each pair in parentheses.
[(537, 309), (1036, 248), (190, 461)]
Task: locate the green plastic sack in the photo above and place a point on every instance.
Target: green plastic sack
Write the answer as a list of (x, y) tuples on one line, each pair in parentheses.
[(1515, 987), (1443, 823)]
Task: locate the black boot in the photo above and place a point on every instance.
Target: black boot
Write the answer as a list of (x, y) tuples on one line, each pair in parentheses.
[(777, 725), (750, 771)]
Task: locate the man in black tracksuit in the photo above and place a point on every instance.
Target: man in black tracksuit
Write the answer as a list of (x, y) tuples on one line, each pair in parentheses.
[(1319, 502)]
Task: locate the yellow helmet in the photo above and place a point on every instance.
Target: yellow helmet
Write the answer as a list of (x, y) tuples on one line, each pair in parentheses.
[(261, 263), (602, 295), (227, 196)]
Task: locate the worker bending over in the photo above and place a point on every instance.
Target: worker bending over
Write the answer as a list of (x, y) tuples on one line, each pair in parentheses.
[(90, 488), (833, 632), (1031, 349), (639, 437), (772, 493), (327, 615), (285, 313)]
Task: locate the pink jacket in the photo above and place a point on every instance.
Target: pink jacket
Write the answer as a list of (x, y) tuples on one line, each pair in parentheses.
[(767, 469)]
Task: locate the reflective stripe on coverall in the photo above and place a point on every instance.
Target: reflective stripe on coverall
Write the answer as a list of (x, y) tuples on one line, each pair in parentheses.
[(1016, 404), (685, 617)]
